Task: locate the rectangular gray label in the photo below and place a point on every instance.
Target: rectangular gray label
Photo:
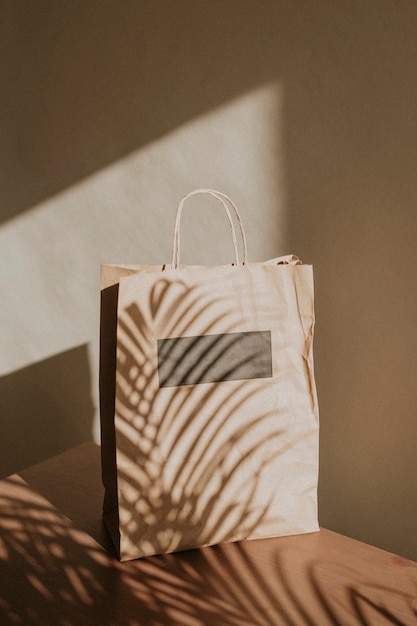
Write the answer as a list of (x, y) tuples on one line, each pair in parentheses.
[(214, 358)]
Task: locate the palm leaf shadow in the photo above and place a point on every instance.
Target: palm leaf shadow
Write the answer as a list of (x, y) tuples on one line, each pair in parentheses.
[(65, 577), (361, 598), (374, 597), (182, 512), (223, 584), (239, 585), (209, 587), (51, 573)]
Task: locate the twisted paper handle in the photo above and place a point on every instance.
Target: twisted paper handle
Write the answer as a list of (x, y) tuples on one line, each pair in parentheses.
[(223, 199)]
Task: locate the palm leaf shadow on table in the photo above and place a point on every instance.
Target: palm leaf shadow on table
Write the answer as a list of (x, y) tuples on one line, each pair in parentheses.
[(243, 584), (54, 574)]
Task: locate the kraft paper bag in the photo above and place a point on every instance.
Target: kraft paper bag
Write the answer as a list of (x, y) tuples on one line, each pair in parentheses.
[(208, 403)]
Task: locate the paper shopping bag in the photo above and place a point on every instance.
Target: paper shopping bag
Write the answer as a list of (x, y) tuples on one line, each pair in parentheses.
[(208, 403)]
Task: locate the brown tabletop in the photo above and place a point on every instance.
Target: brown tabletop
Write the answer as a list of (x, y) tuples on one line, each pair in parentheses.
[(57, 567)]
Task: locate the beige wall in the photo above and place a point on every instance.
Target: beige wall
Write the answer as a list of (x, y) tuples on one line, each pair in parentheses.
[(305, 114)]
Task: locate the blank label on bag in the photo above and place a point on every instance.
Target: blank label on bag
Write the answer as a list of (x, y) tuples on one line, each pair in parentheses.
[(214, 358)]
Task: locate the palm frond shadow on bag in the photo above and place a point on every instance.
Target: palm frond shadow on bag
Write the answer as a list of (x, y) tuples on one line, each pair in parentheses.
[(161, 512)]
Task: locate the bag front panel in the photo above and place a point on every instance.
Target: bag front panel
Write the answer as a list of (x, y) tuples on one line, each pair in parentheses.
[(216, 414)]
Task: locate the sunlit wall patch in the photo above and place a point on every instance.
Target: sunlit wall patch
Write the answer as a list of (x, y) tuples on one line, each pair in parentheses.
[(214, 358)]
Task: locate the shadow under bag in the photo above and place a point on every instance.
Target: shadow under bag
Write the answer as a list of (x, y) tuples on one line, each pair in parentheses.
[(208, 403)]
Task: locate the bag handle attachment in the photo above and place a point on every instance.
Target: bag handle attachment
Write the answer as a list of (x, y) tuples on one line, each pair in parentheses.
[(224, 200)]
